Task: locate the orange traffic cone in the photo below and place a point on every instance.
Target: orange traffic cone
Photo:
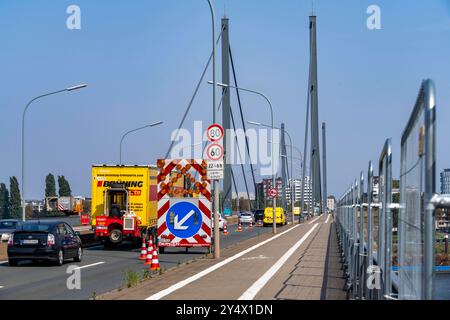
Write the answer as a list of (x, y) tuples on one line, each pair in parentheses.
[(225, 230), (143, 255), (155, 260), (239, 229), (148, 259), (251, 225), (150, 243)]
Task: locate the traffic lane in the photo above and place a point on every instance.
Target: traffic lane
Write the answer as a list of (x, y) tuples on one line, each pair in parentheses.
[(43, 281), (234, 237), (38, 281)]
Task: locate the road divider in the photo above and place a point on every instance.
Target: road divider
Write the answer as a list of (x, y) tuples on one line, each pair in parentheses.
[(161, 294), (251, 292)]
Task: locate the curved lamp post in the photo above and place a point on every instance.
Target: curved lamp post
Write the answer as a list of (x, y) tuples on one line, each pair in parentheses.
[(274, 226), (134, 130), (80, 86)]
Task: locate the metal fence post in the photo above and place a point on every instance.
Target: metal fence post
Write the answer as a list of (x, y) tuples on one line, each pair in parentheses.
[(430, 183), (361, 256), (370, 224)]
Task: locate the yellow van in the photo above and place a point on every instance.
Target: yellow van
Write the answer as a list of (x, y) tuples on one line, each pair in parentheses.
[(268, 216)]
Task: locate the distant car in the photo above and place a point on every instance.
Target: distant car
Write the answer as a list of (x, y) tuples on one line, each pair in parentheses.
[(246, 217), (7, 227), (54, 241), (258, 214)]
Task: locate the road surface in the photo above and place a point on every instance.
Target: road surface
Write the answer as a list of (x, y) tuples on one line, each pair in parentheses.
[(102, 270)]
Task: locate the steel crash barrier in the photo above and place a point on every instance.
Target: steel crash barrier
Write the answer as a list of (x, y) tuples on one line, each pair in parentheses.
[(382, 262)]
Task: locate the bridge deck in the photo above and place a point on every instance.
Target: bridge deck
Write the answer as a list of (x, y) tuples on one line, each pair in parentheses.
[(300, 263)]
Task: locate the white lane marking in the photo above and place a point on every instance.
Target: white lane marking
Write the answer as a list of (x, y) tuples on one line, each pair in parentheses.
[(314, 220), (90, 265), (161, 294), (1, 287), (251, 292), (328, 218)]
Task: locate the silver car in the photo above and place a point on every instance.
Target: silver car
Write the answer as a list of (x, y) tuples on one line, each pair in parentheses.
[(222, 221), (7, 227), (246, 217)]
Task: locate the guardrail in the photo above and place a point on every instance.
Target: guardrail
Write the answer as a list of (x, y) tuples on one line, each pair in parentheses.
[(365, 222)]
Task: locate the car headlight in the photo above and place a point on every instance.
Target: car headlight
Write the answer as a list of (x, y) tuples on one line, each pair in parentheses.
[(5, 236)]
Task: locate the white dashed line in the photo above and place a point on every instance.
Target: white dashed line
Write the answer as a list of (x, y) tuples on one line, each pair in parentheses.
[(90, 265)]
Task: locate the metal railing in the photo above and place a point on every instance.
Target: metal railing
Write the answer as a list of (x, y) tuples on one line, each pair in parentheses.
[(365, 219)]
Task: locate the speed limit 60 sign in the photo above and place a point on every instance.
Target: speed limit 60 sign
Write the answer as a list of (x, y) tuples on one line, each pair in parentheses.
[(215, 152), (215, 133)]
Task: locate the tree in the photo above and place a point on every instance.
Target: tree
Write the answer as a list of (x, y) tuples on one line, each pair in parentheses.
[(4, 202), (64, 187), (15, 199), (50, 187)]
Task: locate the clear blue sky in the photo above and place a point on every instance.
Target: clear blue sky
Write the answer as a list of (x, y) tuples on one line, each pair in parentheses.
[(143, 58)]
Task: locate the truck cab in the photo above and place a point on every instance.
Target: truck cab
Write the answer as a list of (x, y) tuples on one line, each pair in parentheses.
[(118, 222)]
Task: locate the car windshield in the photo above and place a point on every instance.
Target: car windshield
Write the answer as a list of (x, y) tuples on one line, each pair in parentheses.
[(8, 224), (35, 227), (245, 214)]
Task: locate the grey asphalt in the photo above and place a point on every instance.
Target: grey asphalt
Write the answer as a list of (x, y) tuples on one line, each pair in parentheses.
[(42, 281)]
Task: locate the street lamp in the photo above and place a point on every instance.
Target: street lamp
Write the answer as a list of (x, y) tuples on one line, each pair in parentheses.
[(134, 130), (291, 146), (73, 88), (216, 182), (274, 227)]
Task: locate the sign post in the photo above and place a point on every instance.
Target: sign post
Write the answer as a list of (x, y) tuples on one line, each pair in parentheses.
[(215, 168)]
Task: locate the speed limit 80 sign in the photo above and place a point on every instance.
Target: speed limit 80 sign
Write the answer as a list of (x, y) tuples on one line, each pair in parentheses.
[(215, 133)]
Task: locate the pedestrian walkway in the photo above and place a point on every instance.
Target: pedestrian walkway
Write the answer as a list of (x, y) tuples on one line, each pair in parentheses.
[(301, 262), (317, 273)]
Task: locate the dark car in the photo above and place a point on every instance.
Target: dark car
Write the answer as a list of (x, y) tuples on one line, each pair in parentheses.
[(53, 241), (259, 215)]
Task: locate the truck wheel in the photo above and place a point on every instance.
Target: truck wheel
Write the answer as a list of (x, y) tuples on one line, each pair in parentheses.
[(115, 236)]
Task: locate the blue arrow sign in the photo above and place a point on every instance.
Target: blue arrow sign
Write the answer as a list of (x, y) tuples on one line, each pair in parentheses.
[(184, 220)]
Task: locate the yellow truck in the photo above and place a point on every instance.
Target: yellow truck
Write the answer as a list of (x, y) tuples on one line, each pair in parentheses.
[(297, 211), (124, 202), (268, 216)]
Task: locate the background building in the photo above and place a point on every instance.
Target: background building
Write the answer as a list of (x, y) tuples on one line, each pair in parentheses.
[(297, 183), (445, 181)]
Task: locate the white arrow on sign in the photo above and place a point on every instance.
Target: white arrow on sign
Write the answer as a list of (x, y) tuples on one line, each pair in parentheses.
[(178, 225)]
